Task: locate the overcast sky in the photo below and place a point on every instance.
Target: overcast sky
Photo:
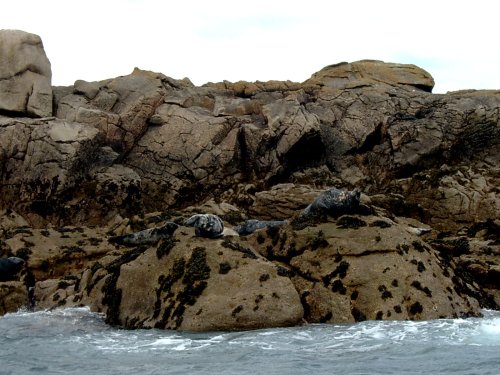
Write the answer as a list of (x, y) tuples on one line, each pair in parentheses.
[(212, 40)]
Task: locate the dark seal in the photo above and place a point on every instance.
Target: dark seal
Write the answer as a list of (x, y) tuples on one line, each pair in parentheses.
[(147, 236), (334, 202), (206, 225), (10, 267), (250, 226)]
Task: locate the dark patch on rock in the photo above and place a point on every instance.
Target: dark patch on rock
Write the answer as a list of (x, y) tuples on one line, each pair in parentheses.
[(264, 277), (45, 233), (285, 272), (24, 253), (95, 241), (337, 286), (259, 298), (398, 309), (247, 253), (452, 247), (236, 310), (112, 298), (394, 283), (166, 244), (416, 308), (419, 246), (385, 293), (350, 222), (319, 241), (62, 284), (23, 230), (112, 295), (340, 271), (379, 315), (193, 274), (402, 248), (490, 228), (358, 315), (274, 234), (325, 318), (354, 295), (305, 304), (416, 284), (197, 267), (224, 268), (420, 267)]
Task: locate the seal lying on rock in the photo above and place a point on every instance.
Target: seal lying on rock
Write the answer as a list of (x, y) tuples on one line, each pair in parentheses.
[(147, 236), (206, 225), (250, 226), (334, 202), (10, 267)]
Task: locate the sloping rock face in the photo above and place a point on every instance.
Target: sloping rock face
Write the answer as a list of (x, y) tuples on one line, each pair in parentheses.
[(349, 269), (129, 153), (25, 75)]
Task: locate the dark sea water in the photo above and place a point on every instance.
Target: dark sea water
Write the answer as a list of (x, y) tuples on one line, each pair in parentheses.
[(76, 341)]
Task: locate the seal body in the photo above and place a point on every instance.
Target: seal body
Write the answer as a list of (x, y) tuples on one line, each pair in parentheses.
[(250, 226), (333, 202), (206, 225), (147, 236), (10, 267)]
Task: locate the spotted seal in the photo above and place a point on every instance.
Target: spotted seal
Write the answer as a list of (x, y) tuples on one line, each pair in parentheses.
[(250, 226), (206, 225), (334, 202), (10, 267), (147, 236)]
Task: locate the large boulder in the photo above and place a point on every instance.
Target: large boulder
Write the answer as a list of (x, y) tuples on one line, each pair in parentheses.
[(25, 75), (189, 283), (367, 267), (372, 72)]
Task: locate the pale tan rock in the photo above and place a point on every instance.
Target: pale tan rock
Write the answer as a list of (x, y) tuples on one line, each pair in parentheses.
[(25, 74), (372, 72), (51, 254), (197, 285), (366, 267)]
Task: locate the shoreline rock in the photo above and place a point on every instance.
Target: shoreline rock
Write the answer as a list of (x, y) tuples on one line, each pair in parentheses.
[(130, 153)]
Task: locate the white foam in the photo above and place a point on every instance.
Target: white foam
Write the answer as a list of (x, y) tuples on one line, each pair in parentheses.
[(492, 328)]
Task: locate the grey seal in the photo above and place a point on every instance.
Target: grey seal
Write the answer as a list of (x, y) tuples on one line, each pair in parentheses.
[(250, 226), (333, 202), (147, 236), (206, 225), (10, 267)]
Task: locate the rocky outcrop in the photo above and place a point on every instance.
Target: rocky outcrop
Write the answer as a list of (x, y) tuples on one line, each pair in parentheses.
[(13, 296), (129, 153), (25, 75), (353, 268)]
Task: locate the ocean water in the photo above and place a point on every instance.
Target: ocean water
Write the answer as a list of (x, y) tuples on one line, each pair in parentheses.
[(76, 341)]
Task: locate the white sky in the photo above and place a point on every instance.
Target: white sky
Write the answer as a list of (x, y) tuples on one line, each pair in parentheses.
[(212, 40)]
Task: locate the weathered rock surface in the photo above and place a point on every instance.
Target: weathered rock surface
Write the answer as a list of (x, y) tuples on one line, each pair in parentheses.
[(25, 75), (132, 152), (13, 296)]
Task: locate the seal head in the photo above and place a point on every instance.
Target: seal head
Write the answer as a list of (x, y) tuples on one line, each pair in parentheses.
[(206, 225)]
